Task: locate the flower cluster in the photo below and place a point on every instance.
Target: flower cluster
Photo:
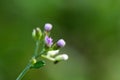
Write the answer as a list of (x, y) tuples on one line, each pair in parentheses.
[(46, 48), (51, 49)]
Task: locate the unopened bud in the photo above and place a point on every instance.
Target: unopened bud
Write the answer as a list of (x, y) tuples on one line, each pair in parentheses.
[(37, 33), (61, 43), (34, 33), (52, 53), (48, 27), (33, 61), (61, 57)]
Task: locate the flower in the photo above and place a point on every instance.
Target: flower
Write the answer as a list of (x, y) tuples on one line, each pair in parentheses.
[(48, 27), (61, 43), (52, 53), (61, 57), (48, 41)]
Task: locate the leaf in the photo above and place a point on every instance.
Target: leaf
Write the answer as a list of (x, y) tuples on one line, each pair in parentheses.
[(38, 64)]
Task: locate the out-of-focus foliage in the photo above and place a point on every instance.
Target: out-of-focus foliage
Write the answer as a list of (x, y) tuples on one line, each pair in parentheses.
[(91, 29)]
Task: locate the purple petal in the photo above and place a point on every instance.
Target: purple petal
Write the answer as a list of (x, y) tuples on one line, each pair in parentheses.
[(48, 41)]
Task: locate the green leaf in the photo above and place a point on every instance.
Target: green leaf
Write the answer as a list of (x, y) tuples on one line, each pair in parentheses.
[(38, 64)]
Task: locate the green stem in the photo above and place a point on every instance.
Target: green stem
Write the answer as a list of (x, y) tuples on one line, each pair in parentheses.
[(42, 50), (26, 69), (36, 48)]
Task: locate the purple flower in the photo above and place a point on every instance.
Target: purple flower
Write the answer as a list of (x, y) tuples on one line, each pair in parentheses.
[(48, 41), (61, 43), (48, 27)]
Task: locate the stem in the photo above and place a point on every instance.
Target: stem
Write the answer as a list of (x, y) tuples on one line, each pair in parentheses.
[(36, 48), (26, 69), (49, 58), (42, 50)]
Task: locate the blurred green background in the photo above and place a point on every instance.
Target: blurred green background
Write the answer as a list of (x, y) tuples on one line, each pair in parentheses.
[(91, 29)]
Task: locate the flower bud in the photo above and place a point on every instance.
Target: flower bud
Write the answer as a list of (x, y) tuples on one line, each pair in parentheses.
[(34, 33), (48, 27), (61, 57), (52, 53), (37, 33), (48, 41), (33, 61), (61, 43)]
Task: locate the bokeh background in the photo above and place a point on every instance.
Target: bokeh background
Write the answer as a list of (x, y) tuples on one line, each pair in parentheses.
[(91, 29)]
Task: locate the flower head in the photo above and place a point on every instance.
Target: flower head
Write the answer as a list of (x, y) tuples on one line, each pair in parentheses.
[(61, 43), (48, 27), (48, 41)]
